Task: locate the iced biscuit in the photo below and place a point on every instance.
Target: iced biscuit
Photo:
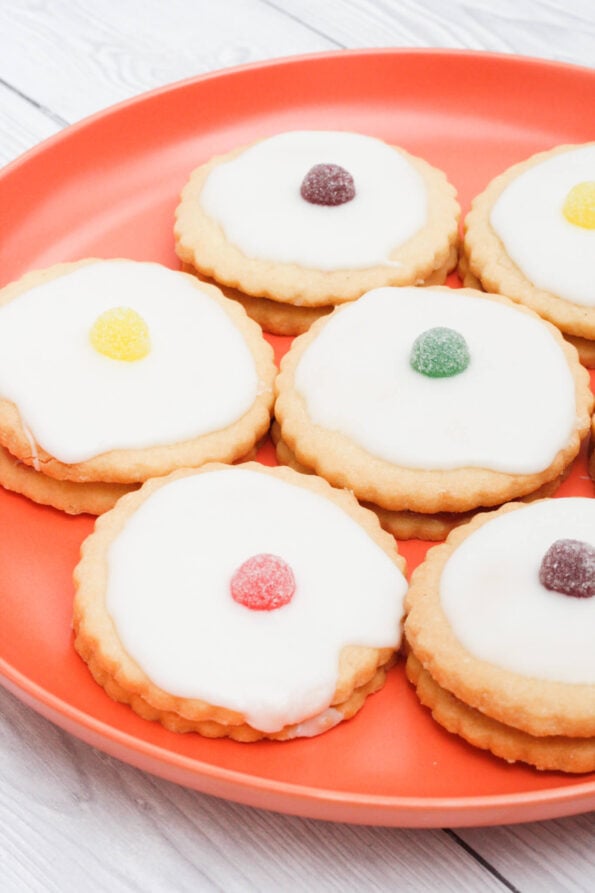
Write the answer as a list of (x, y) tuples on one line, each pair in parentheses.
[(115, 371), (248, 221), (241, 601), (531, 236), (500, 627), (432, 403)]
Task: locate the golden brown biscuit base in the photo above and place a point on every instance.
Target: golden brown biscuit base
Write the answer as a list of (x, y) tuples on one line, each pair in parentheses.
[(409, 525), (133, 466), (344, 463), (272, 316), (361, 669), (488, 260), (289, 319), (68, 496), (538, 707), (584, 346), (465, 274), (209, 728), (550, 752), (201, 242), (92, 498)]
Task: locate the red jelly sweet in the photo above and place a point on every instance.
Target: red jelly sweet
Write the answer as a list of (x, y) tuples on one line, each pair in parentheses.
[(568, 566), (263, 582), (327, 184)]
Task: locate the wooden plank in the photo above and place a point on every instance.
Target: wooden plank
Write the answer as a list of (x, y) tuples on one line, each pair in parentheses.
[(89, 55), (556, 855), (559, 29), (22, 125), (72, 818)]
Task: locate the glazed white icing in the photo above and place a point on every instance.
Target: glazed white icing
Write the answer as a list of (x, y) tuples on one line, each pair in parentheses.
[(498, 609), (328, 719), (256, 199), (553, 253), (77, 403), (168, 594), (503, 412)]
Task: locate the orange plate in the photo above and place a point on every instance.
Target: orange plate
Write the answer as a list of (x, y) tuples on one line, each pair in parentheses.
[(108, 187)]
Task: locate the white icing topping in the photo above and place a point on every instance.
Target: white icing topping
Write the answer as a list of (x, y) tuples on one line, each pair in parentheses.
[(498, 609), (256, 200), (503, 413), (328, 719), (199, 375), (553, 253), (168, 593)]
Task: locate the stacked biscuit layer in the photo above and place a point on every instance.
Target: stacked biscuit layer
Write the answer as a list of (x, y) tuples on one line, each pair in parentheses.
[(498, 259), (243, 224), (79, 428), (498, 658), (426, 453), (155, 620)]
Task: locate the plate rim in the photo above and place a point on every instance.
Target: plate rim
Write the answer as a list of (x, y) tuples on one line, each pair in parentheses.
[(499, 58), (57, 710)]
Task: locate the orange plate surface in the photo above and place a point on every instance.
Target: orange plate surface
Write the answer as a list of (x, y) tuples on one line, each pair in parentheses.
[(108, 187)]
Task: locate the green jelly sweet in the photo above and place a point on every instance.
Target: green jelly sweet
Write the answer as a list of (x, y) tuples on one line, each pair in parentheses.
[(440, 353)]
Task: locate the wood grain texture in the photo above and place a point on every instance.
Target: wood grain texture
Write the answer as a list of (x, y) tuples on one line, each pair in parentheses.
[(555, 29), (556, 855), (90, 55), (22, 125), (72, 818)]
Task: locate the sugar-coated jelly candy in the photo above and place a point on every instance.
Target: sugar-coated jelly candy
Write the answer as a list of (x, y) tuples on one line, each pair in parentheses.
[(121, 334), (568, 566), (440, 353), (579, 207), (327, 184), (263, 582)]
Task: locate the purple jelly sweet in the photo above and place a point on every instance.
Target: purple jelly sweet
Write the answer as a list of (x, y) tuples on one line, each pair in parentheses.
[(327, 184), (568, 566)]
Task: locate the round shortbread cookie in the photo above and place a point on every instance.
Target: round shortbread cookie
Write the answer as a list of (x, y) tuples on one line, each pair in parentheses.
[(408, 525), (72, 497), (350, 406), (487, 630), (202, 392), (178, 646), (549, 752), (520, 243), (243, 222), (287, 319)]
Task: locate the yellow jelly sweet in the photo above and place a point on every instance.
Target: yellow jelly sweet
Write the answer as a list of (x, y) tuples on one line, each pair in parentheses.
[(579, 207), (121, 334)]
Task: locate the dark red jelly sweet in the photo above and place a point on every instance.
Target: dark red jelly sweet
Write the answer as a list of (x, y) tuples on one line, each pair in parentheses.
[(263, 582), (327, 184), (568, 566)]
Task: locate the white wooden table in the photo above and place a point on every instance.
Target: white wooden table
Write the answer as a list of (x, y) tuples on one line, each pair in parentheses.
[(72, 818)]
